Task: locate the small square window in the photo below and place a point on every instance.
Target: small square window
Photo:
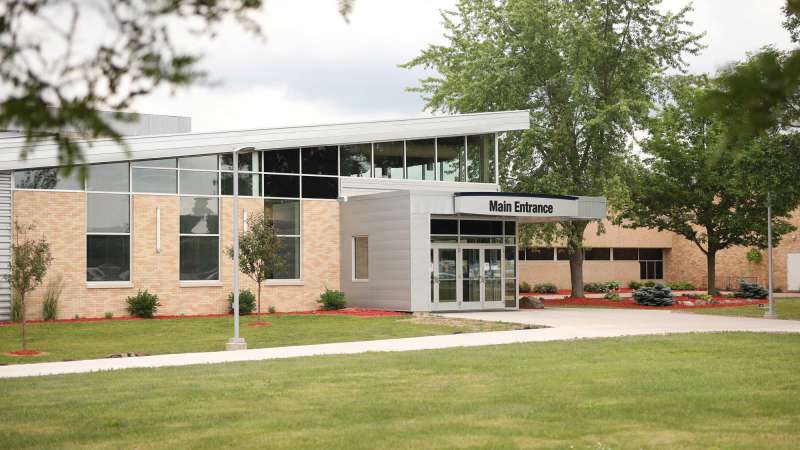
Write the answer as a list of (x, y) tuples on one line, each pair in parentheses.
[(360, 258)]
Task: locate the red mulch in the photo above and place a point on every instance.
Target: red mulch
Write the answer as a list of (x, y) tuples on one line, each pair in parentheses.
[(259, 324), (630, 303), (24, 353), (569, 292), (355, 312)]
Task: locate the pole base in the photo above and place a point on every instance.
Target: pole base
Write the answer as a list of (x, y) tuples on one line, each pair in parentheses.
[(236, 344), (770, 315)]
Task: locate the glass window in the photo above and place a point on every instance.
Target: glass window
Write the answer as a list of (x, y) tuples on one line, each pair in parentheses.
[(482, 227), (360, 258), (511, 228), (562, 254), (539, 254), (450, 159), (480, 158), (155, 181), (356, 160), (207, 162), (166, 163), (248, 161), (290, 255), (388, 159), (651, 270), (108, 177), (420, 159), (626, 254), (108, 258), (320, 187), (281, 161), (199, 215), (597, 254), (285, 215), (199, 258), (248, 184), (281, 186), (654, 254), (198, 183), (444, 226), (321, 160), (108, 213), (49, 178)]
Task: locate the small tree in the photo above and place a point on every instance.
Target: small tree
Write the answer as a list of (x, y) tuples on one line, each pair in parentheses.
[(30, 259), (259, 252)]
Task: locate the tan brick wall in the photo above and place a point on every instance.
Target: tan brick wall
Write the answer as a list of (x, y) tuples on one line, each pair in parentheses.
[(61, 217), (557, 272)]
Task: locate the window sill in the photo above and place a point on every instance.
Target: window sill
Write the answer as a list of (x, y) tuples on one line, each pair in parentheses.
[(284, 283), (109, 285), (360, 281), (201, 283)]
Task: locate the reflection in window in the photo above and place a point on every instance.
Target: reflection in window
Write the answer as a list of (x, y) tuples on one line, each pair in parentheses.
[(248, 161), (207, 162), (159, 181), (108, 177), (285, 216), (321, 160), (290, 255), (49, 178), (199, 215), (108, 237), (420, 159), (248, 184), (281, 186), (281, 161), (480, 158), (198, 183), (450, 159), (389, 159), (108, 213), (199, 238), (356, 160), (169, 163)]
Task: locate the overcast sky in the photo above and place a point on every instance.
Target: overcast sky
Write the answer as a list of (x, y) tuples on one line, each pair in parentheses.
[(315, 68)]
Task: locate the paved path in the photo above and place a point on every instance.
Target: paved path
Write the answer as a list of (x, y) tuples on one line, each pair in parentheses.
[(566, 323)]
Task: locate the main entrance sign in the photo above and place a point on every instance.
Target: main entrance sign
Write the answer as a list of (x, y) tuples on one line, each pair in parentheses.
[(507, 204)]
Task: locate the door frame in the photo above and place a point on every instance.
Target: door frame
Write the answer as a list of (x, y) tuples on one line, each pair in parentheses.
[(459, 304)]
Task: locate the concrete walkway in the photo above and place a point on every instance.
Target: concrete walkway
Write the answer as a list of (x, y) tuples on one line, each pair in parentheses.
[(566, 323)]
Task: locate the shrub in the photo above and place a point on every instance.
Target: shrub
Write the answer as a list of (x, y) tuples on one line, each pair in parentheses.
[(681, 286), (271, 309), (331, 299), (595, 287), (612, 285), (524, 286), (247, 302), (545, 288), (612, 296), (634, 285), (654, 296), (751, 290), (51, 296), (649, 283), (531, 303), (143, 304), (109, 315)]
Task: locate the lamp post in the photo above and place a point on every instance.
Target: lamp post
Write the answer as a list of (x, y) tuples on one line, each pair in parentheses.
[(770, 314), (236, 342)]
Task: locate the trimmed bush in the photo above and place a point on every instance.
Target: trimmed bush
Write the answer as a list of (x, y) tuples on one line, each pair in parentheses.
[(654, 296), (612, 296), (649, 283), (545, 288), (681, 286), (751, 290), (524, 286), (331, 299), (247, 302), (595, 287), (612, 285), (634, 285), (143, 304)]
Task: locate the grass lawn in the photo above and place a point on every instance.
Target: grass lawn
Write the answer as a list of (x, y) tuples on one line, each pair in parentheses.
[(786, 308), (86, 340), (726, 390)]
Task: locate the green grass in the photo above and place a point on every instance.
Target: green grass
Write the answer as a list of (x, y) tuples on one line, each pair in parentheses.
[(727, 390), (786, 308), (87, 340)]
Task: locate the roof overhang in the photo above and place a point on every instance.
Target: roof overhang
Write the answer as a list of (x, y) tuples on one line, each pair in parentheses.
[(530, 208), (45, 153)]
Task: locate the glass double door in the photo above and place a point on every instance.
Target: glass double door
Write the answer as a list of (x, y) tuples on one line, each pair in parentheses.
[(466, 277)]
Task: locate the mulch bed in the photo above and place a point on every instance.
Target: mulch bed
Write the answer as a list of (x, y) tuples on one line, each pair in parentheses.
[(569, 292), (25, 353), (355, 312), (630, 304)]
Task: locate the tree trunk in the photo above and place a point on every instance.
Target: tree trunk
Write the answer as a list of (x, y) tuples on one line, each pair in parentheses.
[(711, 266), (258, 301), (22, 311), (576, 272)]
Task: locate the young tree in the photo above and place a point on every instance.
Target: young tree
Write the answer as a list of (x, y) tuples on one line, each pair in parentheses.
[(695, 183), (30, 259), (586, 70), (259, 252), (61, 62)]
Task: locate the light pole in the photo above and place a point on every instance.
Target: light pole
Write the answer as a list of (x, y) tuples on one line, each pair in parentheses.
[(236, 342), (770, 314)]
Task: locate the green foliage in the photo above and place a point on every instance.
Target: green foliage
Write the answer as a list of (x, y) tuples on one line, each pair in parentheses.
[(524, 286), (586, 71), (754, 256), (143, 304), (545, 288), (612, 296), (331, 299), (51, 296), (612, 285), (649, 283), (658, 295), (681, 286), (108, 315), (634, 284), (247, 302), (271, 309), (30, 258), (595, 287), (751, 290)]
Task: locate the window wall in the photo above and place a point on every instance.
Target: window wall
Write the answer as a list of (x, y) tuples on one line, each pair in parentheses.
[(651, 260), (286, 218), (108, 223)]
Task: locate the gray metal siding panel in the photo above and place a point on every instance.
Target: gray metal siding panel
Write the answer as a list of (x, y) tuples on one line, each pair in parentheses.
[(5, 243)]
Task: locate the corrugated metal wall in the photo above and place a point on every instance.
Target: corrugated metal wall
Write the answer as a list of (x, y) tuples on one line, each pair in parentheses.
[(5, 243)]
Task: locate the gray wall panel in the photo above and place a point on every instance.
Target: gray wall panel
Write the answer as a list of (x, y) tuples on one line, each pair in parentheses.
[(5, 243)]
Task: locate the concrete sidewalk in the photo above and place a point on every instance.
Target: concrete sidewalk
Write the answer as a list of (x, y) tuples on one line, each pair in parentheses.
[(566, 323)]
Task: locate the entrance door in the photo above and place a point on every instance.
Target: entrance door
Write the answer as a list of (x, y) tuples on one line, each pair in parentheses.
[(471, 278), (444, 282), (493, 278)]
